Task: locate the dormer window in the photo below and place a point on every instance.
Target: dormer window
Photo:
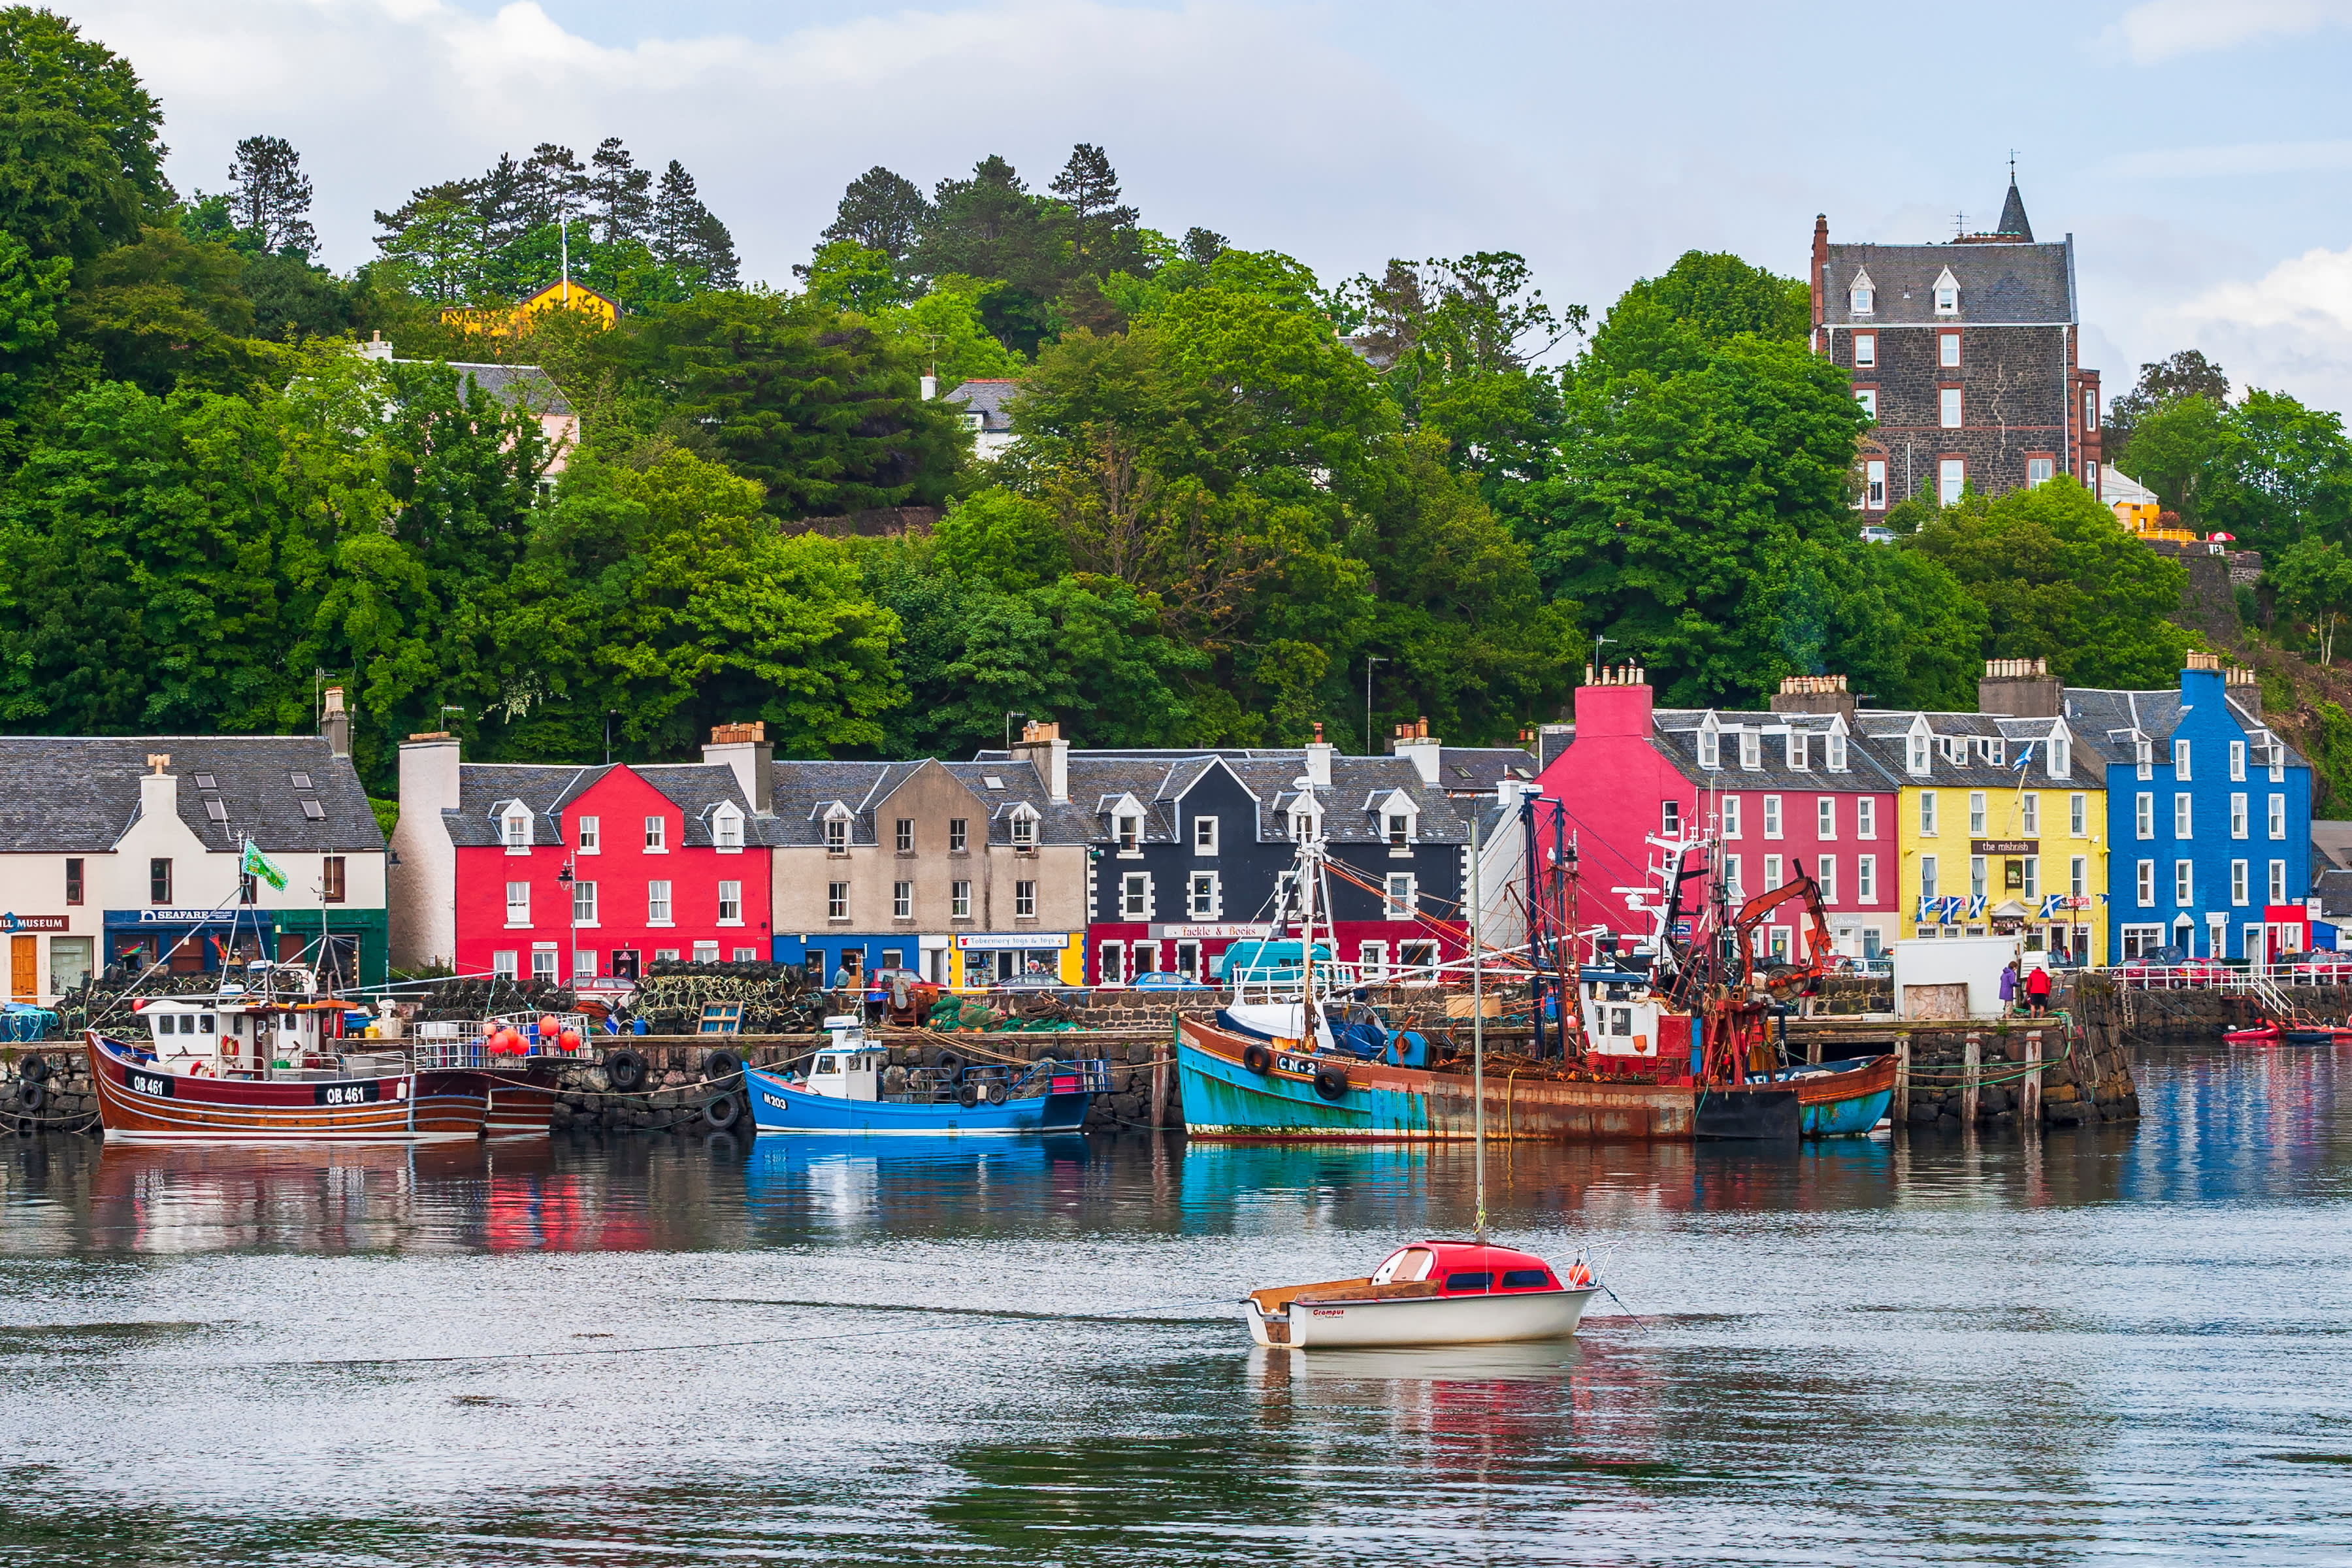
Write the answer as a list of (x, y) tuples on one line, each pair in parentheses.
[(1861, 294), (836, 830), (727, 830), (514, 829), (2062, 757), (1989, 751), (1751, 749), (1399, 830), (1710, 744), (2144, 758), (1947, 294), (1025, 828), (1799, 751), (1833, 749), (1955, 750), (1917, 759), (1130, 833)]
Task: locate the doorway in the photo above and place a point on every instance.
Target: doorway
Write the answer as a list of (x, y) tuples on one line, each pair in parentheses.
[(24, 967)]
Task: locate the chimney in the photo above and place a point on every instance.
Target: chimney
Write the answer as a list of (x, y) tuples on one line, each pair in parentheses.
[(159, 792), (1414, 742), (931, 387), (421, 874), (336, 724), (745, 748), (1318, 759), (1821, 265), (2244, 689), (2019, 688), (1613, 702), (375, 347), (1043, 748), (1814, 694)]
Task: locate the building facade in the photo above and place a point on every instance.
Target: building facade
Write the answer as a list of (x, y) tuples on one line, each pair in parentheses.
[(124, 853), (1966, 356)]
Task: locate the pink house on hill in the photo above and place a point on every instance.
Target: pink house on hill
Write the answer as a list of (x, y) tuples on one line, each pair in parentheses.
[(1780, 788)]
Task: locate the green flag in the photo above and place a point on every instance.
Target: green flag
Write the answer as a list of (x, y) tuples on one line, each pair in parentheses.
[(256, 864)]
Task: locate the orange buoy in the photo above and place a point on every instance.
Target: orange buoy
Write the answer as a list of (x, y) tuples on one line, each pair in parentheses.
[(570, 1039), (548, 1026)]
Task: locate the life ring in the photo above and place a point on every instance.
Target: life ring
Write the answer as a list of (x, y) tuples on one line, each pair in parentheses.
[(31, 1096), (719, 1065), (625, 1069), (1332, 1082), (1257, 1059), (968, 1096), (201, 1070), (721, 1111)]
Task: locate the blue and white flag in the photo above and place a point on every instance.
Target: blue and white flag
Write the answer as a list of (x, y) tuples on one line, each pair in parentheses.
[(1977, 907), (2024, 755), (2049, 905)]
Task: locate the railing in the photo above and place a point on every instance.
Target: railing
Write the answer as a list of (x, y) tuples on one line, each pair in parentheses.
[(2259, 979)]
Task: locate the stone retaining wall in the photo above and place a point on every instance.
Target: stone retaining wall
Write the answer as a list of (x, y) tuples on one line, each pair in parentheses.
[(68, 1101), (2087, 1082)]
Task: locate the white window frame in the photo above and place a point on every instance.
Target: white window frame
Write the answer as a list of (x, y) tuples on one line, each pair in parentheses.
[(503, 964), (1931, 880), (837, 900), (1874, 478), (1772, 873), (543, 961), (727, 830), (2181, 762), (2184, 883), (836, 835), (1110, 962), (2240, 882), (706, 953), (960, 900), (1950, 409), (2183, 815), (1918, 754), (2078, 875), (1399, 895), (660, 904), (1865, 350), (1798, 751), (1735, 881), (1772, 819), (1980, 874), (1928, 815), (1951, 479), (1205, 898), (2058, 757), (514, 829), (2078, 815), (1204, 835), (2033, 889), (2029, 814), (1751, 750), (2237, 760), (2277, 816), (2146, 884), (1135, 896), (1976, 814), (2144, 815), (730, 897), (1728, 810), (1868, 397), (1670, 818), (1825, 873), (1865, 879), (1866, 817), (1024, 900), (2241, 819), (2144, 758), (2277, 887), (1825, 817), (1024, 823), (584, 903), (1127, 832), (902, 900), (657, 835), (1833, 750), (1947, 351), (517, 906), (902, 835), (591, 833)]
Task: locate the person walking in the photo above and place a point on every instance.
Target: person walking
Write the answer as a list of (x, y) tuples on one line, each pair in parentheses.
[(2009, 988), (2037, 990)]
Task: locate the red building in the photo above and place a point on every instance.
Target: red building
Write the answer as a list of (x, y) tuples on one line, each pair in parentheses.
[(578, 874), (1779, 788)]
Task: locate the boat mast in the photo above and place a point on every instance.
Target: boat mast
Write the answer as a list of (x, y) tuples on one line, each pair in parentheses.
[(1477, 1041)]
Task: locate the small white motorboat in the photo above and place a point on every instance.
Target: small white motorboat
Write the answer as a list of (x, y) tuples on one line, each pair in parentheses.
[(1429, 1294)]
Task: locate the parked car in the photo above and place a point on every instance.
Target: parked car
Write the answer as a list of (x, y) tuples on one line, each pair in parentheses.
[(1877, 535), (1167, 980)]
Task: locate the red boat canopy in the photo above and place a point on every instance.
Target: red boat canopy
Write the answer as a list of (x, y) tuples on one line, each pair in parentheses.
[(1458, 1255)]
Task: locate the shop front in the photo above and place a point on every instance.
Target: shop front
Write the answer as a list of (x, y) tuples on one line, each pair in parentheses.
[(828, 956), (187, 941), (68, 955), (982, 959)]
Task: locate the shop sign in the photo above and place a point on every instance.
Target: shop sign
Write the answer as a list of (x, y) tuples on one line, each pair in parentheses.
[(1010, 941), (1213, 932), (14, 921), (187, 917), (2004, 846)]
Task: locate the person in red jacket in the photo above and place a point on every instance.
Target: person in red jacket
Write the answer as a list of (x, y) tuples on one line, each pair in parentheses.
[(2037, 990)]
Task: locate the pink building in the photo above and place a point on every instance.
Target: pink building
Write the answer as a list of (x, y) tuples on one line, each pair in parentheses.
[(1781, 788)]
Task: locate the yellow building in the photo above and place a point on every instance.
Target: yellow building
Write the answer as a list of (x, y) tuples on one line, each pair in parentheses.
[(562, 295), (2002, 828)]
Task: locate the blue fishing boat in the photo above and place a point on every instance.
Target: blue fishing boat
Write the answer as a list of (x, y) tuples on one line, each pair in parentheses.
[(842, 1094)]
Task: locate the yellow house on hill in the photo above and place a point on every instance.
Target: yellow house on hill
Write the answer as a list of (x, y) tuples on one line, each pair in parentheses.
[(558, 296)]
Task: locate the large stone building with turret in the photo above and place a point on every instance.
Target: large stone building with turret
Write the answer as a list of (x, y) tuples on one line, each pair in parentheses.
[(1967, 355)]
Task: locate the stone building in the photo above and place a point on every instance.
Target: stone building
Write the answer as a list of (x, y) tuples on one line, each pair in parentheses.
[(1966, 353)]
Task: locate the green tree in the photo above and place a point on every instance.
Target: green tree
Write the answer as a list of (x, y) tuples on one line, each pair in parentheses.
[(270, 196), (880, 211), (847, 276), (2315, 578), (2173, 452), (2283, 473), (1102, 229), (85, 167), (2188, 373), (166, 312), (1669, 323)]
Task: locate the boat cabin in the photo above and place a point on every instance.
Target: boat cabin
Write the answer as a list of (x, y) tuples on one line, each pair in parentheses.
[(1464, 1268), (229, 1034), (1620, 1012), (848, 1072)]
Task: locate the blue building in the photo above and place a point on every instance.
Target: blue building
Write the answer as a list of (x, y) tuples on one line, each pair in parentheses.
[(2208, 817)]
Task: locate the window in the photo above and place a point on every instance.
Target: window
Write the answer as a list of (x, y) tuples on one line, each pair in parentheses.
[(159, 882), (1858, 297), (1135, 896), (1948, 295), (1372, 960), (2040, 471), (1204, 835), (518, 903), (2078, 877), (658, 904), (1916, 758), (2180, 761), (514, 832), (836, 835), (1866, 817), (1670, 818), (2278, 817), (706, 953), (1874, 476), (1868, 397), (1865, 348), (1826, 875), (1751, 749), (583, 965), (73, 881), (1772, 819), (502, 965), (584, 903), (1772, 872), (2184, 882), (1951, 478), (1024, 900), (1976, 814), (542, 966), (1927, 813), (2061, 758), (657, 835), (2278, 762), (1399, 825), (1130, 829), (746, 955), (1825, 816), (902, 836), (1948, 349), (959, 835), (2237, 816), (1930, 886), (2147, 882), (731, 903), (2033, 889), (1947, 408), (1710, 748), (1200, 896), (960, 900), (1833, 750), (1734, 883), (1024, 830), (1400, 896), (1731, 816), (249, 888), (2237, 760), (2139, 939), (2144, 815), (2278, 881), (2078, 815), (1976, 877), (2029, 815), (902, 901), (590, 832), (1113, 963), (2180, 817), (2144, 757), (669, 955), (1865, 879), (2090, 409), (2237, 882), (1989, 751), (1799, 751), (330, 879), (837, 900)]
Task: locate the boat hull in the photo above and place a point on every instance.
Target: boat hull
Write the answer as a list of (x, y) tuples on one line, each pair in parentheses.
[(1225, 1099), (138, 1103), (778, 1107), (1422, 1320), (1846, 1100), (518, 1108)]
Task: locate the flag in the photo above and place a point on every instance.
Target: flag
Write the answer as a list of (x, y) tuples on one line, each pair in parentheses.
[(2024, 755), (256, 864)]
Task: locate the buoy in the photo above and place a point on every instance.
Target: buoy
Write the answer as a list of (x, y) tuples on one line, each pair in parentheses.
[(568, 1039), (548, 1027)]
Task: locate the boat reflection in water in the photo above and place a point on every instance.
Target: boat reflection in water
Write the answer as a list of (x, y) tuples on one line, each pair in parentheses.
[(914, 1182)]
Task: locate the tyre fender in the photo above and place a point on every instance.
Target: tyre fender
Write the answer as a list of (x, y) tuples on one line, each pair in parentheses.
[(625, 1069), (1257, 1059)]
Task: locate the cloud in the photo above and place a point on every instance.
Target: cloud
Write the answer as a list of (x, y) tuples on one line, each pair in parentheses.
[(2162, 29), (2289, 330), (2248, 159)]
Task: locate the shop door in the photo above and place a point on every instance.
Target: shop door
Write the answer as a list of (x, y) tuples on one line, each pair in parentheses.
[(24, 967)]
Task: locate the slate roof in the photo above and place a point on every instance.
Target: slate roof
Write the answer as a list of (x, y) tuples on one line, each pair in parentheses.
[(2334, 886), (2331, 845), (698, 789), (993, 400), (483, 788), (2000, 282), (516, 386), (1478, 770), (2012, 222), (1675, 733), (1158, 778), (804, 789), (77, 794), (2112, 716)]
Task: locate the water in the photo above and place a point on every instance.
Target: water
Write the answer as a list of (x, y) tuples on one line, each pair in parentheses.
[(2119, 1345)]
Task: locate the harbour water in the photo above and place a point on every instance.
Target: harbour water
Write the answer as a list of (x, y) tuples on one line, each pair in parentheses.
[(2106, 1345)]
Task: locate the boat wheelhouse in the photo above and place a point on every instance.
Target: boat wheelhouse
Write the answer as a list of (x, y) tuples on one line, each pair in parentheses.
[(845, 1092)]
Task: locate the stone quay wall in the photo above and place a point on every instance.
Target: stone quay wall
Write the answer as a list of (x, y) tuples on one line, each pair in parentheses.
[(2012, 1073), (55, 1096), (2140, 1018)]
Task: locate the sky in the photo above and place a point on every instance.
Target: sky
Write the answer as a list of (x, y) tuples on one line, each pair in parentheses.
[(2194, 150)]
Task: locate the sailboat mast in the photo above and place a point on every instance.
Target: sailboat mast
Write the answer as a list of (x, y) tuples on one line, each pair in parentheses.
[(1477, 1039)]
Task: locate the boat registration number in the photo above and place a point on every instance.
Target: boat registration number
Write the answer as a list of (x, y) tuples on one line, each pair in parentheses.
[(346, 1093), (1303, 1066), (154, 1083)]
